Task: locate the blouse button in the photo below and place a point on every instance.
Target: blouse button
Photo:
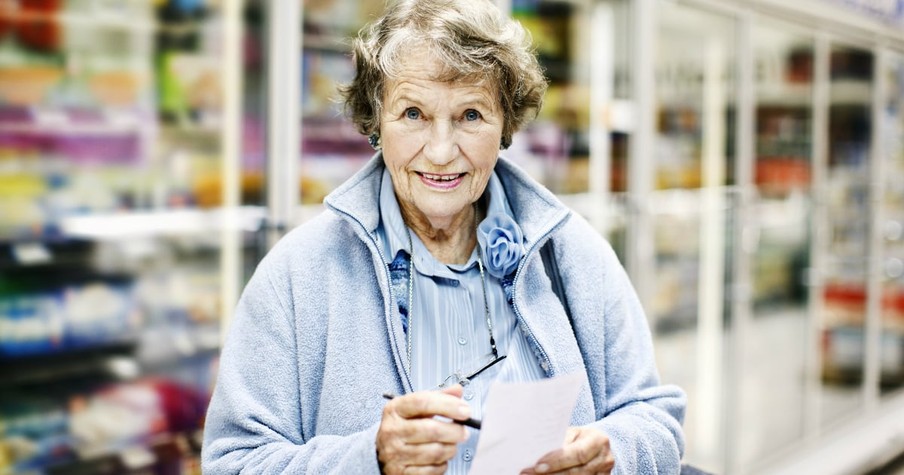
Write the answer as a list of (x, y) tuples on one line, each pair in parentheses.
[(462, 340), (469, 394), (467, 456)]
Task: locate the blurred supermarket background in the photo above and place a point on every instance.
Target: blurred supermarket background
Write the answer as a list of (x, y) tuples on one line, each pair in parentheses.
[(745, 158)]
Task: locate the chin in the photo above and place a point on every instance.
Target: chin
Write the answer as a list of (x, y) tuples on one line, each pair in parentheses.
[(441, 212)]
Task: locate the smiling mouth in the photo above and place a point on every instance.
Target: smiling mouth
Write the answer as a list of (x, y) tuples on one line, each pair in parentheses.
[(441, 178), (442, 182)]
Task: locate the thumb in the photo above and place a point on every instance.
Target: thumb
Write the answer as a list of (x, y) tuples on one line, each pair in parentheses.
[(455, 390)]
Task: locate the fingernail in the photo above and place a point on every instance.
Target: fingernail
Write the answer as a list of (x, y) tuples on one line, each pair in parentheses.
[(464, 410), (542, 468)]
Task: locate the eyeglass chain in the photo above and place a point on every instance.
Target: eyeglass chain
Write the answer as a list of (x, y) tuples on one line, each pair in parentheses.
[(483, 285)]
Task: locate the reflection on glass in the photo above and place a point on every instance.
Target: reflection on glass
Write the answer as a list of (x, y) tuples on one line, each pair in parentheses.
[(892, 349), (774, 353), (555, 147), (694, 51), (848, 212), (332, 150), (109, 187), (694, 93)]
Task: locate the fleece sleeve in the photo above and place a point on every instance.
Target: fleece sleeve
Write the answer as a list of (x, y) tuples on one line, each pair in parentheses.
[(254, 421), (641, 417)]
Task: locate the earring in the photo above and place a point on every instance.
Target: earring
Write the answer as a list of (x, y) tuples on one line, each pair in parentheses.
[(374, 140)]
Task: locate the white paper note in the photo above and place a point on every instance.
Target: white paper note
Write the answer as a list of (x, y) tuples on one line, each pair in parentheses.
[(523, 422)]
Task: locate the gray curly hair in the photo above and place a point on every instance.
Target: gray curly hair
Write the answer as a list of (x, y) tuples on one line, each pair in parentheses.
[(471, 39)]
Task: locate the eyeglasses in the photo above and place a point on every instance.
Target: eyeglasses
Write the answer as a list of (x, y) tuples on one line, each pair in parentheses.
[(464, 378)]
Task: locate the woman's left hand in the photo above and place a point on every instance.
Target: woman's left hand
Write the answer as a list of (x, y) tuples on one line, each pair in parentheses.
[(585, 450)]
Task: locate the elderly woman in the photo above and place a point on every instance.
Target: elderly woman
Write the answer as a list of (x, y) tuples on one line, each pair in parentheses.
[(425, 278)]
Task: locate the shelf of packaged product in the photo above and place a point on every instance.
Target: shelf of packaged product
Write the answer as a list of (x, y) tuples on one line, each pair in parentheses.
[(842, 92), (126, 127), (113, 358), (132, 21), (174, 222), (72, 121), (52, 251), (152, 351), (167, 452), (109, 22), (103, 427), (65, 239)]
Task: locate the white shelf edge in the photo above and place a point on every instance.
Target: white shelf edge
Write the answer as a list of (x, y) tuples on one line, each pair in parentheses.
[(138, 224)]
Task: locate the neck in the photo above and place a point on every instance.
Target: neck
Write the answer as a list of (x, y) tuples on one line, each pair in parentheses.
[(449, 244)]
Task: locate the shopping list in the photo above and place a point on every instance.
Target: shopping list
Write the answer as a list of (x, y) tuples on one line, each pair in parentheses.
[(523, 422)]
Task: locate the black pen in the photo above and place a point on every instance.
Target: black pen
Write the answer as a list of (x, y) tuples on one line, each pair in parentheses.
[(470, 422)]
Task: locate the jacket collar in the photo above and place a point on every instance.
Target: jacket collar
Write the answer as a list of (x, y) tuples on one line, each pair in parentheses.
[(535, 208)]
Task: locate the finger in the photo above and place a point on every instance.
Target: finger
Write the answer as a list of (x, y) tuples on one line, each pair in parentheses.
[(397, 454), (398, 468), (420, 431), (587, 445), (456, 390), (429, 404), (425, 469), (432, 453), (572, 435)]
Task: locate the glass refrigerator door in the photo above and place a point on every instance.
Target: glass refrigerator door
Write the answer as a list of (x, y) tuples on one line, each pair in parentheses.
[(891, 354), (110, 277), (694, 147), (848, 201), (577, 146), (774, 349), (332, 149)]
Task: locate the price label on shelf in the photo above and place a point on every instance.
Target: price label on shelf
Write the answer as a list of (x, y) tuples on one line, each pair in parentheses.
[(137, 457), (31, 253), (50, 117)]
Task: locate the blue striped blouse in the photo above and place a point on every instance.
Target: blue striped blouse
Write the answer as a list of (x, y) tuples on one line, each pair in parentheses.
[(448, 319)]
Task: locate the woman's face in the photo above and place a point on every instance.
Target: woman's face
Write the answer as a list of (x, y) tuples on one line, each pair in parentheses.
[(440, 143)]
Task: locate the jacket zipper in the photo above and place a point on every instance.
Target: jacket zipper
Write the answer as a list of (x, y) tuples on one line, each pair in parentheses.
[(530, 332), (385, 266)]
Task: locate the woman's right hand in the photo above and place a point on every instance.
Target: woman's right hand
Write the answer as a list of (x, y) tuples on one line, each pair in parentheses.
[(410, 440)]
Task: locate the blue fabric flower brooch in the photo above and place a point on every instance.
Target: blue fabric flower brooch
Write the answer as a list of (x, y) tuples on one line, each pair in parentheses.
[(502, 244)]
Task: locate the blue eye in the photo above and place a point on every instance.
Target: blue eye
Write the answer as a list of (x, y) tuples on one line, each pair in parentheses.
[(412, 113), (472, 115)]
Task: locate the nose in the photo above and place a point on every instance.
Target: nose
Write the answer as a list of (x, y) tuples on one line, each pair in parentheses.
[(441, 146)]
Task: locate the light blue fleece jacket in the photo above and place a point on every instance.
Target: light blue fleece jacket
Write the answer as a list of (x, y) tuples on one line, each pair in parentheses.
[(316, 340)]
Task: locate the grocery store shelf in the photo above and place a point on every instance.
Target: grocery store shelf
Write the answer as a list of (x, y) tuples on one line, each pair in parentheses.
[(107, 358), (50, 251), (70, 128), (850, 92), (178, 222), (131, 19), (80, 122), (164, 453)]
